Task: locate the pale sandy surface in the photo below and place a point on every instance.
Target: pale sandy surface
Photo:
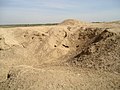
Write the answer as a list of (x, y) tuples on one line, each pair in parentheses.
[(73, 55)]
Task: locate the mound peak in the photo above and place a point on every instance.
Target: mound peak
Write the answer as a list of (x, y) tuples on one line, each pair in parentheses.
[(72, 22)]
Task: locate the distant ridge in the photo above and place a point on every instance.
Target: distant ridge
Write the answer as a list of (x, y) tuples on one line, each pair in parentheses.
[(72, 22)]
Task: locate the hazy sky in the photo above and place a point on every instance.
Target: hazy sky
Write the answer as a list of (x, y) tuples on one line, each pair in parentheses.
[(44, 11)]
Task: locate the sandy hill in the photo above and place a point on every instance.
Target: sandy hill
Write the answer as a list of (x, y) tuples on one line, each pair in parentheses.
[(73, 55), (73, 22)]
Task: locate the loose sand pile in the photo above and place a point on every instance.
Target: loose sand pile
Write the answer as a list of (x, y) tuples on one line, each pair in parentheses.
[(70, 56)]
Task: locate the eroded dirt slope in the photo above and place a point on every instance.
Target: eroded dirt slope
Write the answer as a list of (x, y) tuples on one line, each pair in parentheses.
[(73, 55)]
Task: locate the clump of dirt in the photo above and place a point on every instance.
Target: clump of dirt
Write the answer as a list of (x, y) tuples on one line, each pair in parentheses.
[(101, 52), (3, 45)]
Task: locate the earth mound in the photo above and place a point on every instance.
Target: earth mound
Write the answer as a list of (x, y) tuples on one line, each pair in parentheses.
[(71, 56), (101, 52), (72, 22)]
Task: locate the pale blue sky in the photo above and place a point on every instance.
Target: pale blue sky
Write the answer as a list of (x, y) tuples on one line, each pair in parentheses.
[(48, 11)]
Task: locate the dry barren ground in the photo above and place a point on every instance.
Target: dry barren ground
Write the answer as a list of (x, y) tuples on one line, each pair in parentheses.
[(73, 55)]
